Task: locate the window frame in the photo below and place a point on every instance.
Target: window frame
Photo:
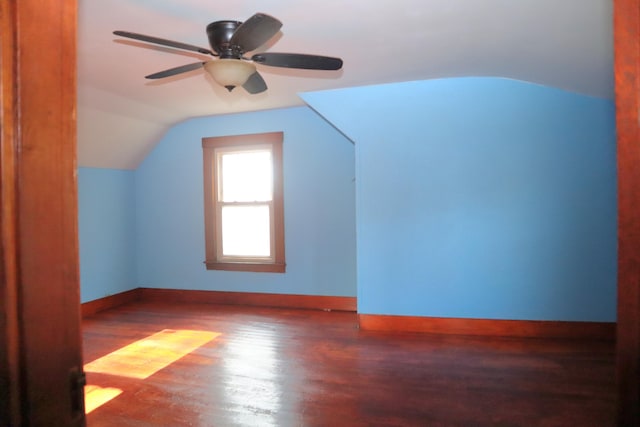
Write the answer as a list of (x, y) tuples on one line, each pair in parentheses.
[(214, 259)]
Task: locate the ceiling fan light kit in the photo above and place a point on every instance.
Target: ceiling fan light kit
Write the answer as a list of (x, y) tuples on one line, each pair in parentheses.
[(230, 72), (229, 41)]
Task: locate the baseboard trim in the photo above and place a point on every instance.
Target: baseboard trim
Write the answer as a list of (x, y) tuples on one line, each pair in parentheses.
[(486, 327), (371, 322), (92, 307), (316, 302)]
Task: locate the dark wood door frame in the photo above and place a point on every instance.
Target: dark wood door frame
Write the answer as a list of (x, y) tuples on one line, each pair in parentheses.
[(40, 340), (627, 84)]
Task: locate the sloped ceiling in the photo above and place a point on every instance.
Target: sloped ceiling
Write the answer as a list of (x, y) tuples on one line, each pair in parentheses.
[(121, 116)]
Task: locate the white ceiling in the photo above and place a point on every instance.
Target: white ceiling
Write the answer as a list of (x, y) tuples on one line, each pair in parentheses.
[(121, 115)]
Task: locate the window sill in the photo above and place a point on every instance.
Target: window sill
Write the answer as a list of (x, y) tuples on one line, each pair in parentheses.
[(246, 266)]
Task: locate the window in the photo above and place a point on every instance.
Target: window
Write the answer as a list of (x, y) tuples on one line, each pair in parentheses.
[(244, 215)]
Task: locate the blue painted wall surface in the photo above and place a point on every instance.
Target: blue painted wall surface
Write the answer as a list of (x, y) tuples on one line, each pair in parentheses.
[(481, 198), (319, 195), (106, 228)]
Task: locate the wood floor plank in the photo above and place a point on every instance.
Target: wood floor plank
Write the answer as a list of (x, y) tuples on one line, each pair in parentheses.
[(282, 367)]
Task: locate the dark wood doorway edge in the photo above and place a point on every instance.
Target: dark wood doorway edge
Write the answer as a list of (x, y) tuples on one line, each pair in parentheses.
[(627, 89), (40, 338)]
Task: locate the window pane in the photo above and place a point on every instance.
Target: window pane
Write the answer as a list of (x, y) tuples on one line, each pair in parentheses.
[(246, 231), (246, 177)]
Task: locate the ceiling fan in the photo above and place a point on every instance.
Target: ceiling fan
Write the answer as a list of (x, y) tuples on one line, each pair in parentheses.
[(229, 41)]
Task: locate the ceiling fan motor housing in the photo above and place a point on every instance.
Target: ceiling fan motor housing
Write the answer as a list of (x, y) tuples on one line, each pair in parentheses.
[(219, 34)]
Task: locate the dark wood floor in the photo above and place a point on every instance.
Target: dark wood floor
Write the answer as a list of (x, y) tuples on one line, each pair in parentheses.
[(279, 367)]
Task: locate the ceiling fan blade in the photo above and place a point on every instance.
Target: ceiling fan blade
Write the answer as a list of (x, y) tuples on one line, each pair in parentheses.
[(164, 42), (298, 60), (176, 70), (255, 31), (255, 84)]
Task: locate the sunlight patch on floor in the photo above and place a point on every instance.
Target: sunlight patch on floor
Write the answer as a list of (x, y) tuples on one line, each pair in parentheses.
[(144, 358), (96, 396)]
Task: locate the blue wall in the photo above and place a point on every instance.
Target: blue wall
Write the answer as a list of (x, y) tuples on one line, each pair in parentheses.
[(106, 227), (475, 197), (481, 198), (319, 195)]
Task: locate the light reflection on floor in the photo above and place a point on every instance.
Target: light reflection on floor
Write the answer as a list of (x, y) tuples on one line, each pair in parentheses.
[(142, 359), (253, 364)]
